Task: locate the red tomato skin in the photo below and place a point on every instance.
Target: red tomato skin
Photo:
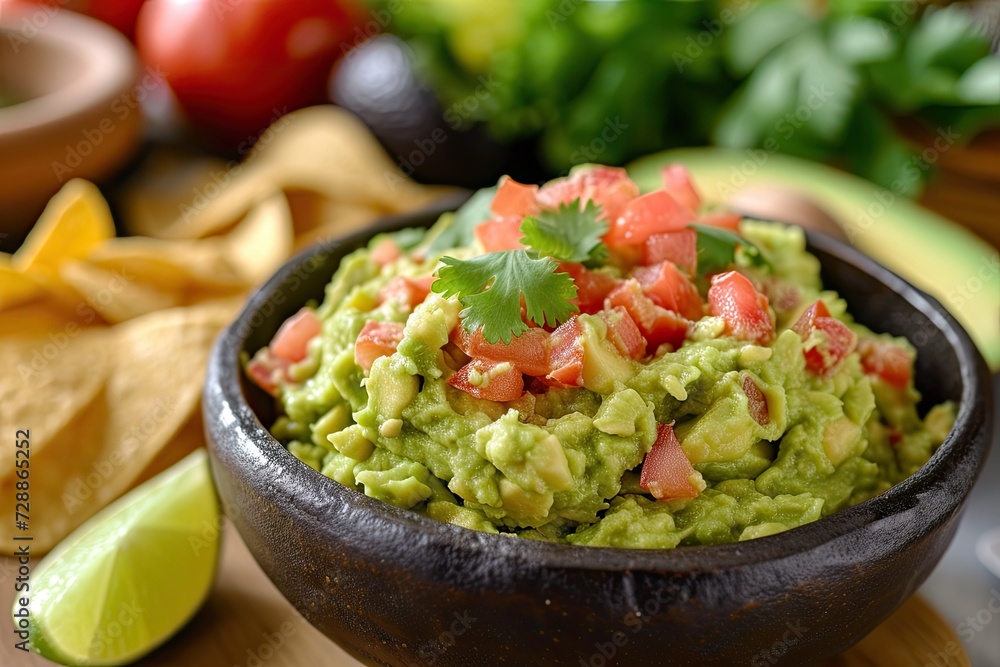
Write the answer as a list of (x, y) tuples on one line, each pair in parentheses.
[(294, 335), (668, 287), (592, 287), (515, 199), (377, 339), (840, 341), (499, 234), (235, 67), (624, 333), (886, 360), (506, 386), (529, 351), (386, 252), (680, 247), (608, 187), (409, 292), (781, 294), (644, 216), (756, 401), (678, 184), (566, 355), (666, 471), (657, 325), (807, 320), (266, 370), (744, 310)]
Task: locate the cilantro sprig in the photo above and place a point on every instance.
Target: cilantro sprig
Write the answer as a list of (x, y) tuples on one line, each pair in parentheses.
[(491, 287), (570, 233), (717, 249)]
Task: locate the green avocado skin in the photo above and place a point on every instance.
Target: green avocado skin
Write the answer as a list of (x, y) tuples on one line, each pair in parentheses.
[(564, 465)]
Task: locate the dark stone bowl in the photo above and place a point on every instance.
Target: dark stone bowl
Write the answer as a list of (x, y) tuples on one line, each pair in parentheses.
[(395, 588)]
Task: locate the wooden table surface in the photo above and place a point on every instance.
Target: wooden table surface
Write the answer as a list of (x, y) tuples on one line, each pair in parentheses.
[(247, 623)]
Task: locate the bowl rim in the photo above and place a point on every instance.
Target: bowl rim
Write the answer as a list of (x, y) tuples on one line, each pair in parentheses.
[(965, 444), (110, 66)]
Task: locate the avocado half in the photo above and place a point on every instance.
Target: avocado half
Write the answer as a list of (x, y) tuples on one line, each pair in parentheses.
[(935, 254)]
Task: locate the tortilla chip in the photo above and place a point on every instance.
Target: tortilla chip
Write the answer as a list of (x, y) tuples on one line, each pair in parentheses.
[(166, 187), (64, 473), (318, 218), (323, 149), (164, 264), (49, 387), (328, 150), (146, 397), (47, 380), (189, 438), (75, 220), (262, 242), (114, 294), (155, 381), (16, 288)]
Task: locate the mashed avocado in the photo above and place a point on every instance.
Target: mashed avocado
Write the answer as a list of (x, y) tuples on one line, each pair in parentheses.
[(773, 442)]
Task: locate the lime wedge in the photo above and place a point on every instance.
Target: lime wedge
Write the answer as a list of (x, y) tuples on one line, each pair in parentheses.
[(131, 576)]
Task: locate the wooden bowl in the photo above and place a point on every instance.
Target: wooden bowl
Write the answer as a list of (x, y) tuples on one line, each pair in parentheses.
[(395, 588), (74, 82)]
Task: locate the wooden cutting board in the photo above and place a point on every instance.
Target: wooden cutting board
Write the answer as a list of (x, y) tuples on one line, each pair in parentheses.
[(248, 623)]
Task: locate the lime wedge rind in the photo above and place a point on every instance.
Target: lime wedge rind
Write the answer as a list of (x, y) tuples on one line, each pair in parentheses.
[(128, 579)]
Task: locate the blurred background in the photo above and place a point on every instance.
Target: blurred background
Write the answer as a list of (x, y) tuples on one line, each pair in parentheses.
[(225, 134), (904, 94)]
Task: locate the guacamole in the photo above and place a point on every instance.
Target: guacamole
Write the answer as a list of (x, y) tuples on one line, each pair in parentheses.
[(580, 363)]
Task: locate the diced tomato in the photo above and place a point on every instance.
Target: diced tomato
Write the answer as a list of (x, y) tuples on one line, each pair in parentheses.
[(386, 252), (408, 292), (460, 337), (267, 371), (756, 401), (488, 380), (623, 332), (679, 247), (499, 234), (377, 339), (668, 287), (529, 351), (744, 310), (807, 321), (293, 336), (839, 341), (566, 355), (885, 359), (730, 221), (677, 183), (657, 325), (592, 287), (608, 187), (653, 213), (515, 199), (666, 471), (781, 294)]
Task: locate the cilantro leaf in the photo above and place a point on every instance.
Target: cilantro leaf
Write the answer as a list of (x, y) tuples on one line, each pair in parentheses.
[(460, 231), (717, 248), (567, 234), (490, 288)]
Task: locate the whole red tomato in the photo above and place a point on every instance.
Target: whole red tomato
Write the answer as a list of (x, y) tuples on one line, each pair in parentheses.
[(236, 65), (120, 14)]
